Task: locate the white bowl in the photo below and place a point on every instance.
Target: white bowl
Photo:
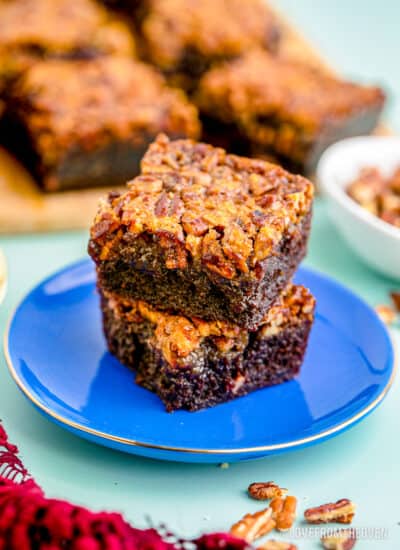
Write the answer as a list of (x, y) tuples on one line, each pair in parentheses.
[(375, 241)]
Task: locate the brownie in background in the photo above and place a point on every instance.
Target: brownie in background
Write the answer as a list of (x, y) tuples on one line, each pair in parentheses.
[(31, 30), (185, 38), (262, 105), (191, 364), (88, 122), (203, 233)]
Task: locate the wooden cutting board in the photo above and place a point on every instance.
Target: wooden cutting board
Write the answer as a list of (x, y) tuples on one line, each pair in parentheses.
[(24, 208)]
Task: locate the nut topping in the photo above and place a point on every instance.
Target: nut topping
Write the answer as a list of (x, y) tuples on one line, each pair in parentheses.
[(341, 511), (277, 545), (386, 314), (284, 512), (266, 490), (253, 526), (343, 539), (378, 194)]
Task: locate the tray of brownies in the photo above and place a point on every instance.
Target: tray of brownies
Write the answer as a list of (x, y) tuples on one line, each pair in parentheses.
[(85, 86)]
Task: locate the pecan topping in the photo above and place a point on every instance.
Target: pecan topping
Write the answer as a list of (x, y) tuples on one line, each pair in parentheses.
[(228, 212), (341, 511), (342, 539), (284, 512), (86, 104), (177, 336), (266, 490), (198, 28), (254, 526), (386, 314), (277, 545), (255, 92)]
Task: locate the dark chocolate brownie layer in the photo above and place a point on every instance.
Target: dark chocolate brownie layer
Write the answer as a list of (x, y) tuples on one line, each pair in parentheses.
[(192, 364), (203, 233), (282, 107), (86, 123)]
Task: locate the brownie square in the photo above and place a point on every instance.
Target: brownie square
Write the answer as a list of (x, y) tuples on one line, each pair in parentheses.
[(85, 123), (265, 105), (191, 364), (31, 30), (185, 38), (203, 233)]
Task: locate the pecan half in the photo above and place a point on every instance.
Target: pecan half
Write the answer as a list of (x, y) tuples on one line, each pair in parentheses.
[(284, 512), (341, 511), (343, 539), (277, 545), (266, 490), (253, 526), (386, 314), (396, 300)]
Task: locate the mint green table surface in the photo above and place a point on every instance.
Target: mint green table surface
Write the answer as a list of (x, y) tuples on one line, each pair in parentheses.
[(363, 39)]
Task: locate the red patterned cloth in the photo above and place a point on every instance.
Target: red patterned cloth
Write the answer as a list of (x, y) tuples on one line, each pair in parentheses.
[(30, 521)]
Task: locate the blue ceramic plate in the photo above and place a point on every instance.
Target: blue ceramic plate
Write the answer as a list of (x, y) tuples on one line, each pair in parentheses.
[(57, 356)]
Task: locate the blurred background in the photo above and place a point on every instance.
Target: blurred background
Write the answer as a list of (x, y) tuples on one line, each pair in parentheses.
[(360, 39)]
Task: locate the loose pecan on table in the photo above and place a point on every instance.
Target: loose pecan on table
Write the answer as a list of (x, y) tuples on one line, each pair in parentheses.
[(284, 512), (341, 511), (266, 490), (343, 539), (254, 526), (277, 545)]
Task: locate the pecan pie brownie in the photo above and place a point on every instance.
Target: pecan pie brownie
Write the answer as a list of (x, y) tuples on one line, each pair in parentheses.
[(261, 105), (31, 30), (88, 122), (190, 363), (184, 38), (203, 233)]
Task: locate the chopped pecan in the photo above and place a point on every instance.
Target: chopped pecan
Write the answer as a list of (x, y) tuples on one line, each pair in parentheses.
[(277, 545), (264, 241), (237, 246), (342, 539), (378, 194), (175, 253), (194, 225), (341, 511), (396, 300), (284, 512), (266, 490), (386, 314), (253, 526), (213, 256)]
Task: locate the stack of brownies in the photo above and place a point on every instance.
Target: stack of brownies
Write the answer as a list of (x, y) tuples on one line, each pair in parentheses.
[(194, 265)]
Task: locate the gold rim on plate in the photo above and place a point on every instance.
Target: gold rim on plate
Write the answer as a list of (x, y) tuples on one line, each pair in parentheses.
[(133, 443)]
